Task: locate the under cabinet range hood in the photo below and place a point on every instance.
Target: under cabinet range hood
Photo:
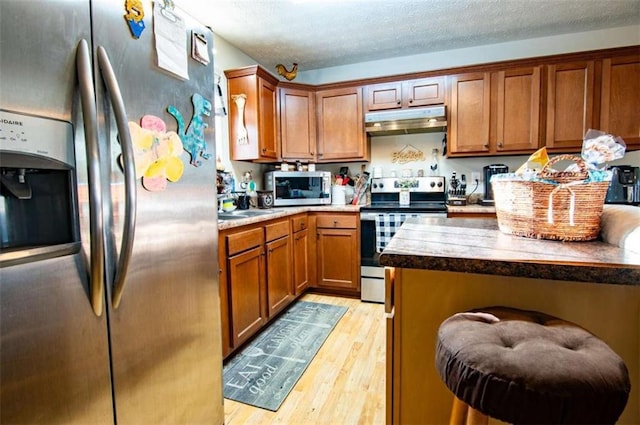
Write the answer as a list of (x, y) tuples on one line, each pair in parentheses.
[(406, 121)]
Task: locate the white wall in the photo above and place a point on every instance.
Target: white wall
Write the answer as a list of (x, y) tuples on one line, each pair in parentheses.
[(567, 43)]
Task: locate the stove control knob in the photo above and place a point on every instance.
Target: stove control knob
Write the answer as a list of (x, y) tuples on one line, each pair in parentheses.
[(375, 185), (432, 184), (439, 184), (381, 185)]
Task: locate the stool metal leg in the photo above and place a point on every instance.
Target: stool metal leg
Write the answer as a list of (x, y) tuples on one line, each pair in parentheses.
[(463, 414), (475, 417), (458, 412)]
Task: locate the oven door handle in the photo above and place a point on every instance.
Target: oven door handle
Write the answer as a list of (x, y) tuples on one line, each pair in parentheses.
[(368, 216)]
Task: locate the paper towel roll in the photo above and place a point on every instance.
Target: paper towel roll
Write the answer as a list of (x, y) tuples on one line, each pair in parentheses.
[(338, 195)]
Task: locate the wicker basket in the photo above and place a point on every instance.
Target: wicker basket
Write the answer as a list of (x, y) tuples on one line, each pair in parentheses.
[(563, 206)]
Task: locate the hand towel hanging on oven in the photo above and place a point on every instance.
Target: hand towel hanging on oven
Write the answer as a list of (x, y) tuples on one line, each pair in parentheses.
[(387, 224)]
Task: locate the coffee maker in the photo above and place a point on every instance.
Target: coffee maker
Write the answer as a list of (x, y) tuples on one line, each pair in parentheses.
[(487, 172), (625, 185)]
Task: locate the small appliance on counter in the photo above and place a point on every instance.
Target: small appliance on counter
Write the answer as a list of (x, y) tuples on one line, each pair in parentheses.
[(289, 188), (457, 190), (487, 172), (625, 185)]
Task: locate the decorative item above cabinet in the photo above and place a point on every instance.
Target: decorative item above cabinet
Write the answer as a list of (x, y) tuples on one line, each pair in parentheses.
[(253, 129)]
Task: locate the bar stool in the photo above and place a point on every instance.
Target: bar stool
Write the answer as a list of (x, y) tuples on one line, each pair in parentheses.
[(527, 367)]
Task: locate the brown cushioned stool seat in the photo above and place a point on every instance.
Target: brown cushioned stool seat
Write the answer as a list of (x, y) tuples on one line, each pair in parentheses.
[(523, 366)]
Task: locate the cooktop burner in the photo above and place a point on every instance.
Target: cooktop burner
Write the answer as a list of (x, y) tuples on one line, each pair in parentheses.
[(414, 207), (433, 184), (426, 194)]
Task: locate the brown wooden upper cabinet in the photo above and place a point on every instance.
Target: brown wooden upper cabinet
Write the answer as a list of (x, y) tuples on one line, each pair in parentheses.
[(469, 109), (570, 104), (253, 130), (494, 113), (297, 122), (620, 98), (405, 94), (340, 120), (517, 110)]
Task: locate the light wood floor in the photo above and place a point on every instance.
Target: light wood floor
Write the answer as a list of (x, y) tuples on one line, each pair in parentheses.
[(345, 382)]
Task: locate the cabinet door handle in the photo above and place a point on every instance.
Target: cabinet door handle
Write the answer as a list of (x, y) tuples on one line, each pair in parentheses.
[(410, 100), (264, 150), (500, 144), (311, 153), (399, 102), (486, 146)]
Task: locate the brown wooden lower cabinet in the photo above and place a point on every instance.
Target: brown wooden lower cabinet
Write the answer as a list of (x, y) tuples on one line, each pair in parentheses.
[(265, 266), (301, 269), (278, 265), (246, 284), (338, 253), (255, 279)]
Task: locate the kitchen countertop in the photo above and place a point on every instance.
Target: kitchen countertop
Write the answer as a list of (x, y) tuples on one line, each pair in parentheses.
[(471, 209), (477, 246), (271, 213)]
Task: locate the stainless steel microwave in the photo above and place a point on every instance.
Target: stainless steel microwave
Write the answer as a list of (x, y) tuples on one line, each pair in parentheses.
[(292, 188)]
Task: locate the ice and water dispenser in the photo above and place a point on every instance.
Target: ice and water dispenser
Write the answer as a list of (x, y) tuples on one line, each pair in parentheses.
[(38, 205)]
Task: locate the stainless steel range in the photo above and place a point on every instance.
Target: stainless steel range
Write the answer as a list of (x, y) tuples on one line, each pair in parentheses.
[(393, 200)]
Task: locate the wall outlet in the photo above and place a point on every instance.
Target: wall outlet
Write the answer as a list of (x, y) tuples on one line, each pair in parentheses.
[(475, 176)]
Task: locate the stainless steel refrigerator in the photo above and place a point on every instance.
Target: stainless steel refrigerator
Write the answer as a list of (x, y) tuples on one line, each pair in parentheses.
[(108, 288)]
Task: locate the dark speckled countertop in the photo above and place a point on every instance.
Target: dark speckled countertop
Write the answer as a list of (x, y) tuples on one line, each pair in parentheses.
[(477, 246)]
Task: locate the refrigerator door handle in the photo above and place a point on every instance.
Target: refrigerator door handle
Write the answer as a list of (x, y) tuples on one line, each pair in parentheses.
[(128, 165), (90, 119)]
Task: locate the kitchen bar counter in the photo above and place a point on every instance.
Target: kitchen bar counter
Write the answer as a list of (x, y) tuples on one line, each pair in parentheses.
[(477, 246), (439, 267)]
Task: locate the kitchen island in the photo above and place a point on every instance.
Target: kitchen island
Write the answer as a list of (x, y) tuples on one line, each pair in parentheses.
[(438, 267)]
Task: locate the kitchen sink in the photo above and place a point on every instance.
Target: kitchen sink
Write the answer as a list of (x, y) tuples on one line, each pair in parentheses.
[(239, 214)]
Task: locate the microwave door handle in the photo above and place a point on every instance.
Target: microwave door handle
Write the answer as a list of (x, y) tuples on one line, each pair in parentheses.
[(90, 119), (126, 247)]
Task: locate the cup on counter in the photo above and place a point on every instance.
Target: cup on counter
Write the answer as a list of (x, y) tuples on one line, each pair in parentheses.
[(243, 201), (228, 205), (338, 195)]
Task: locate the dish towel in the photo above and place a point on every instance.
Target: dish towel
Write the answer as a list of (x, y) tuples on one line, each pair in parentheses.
[(387, 225)]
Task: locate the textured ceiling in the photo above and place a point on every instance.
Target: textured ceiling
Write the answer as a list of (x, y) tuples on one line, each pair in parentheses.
[(319, 34)]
